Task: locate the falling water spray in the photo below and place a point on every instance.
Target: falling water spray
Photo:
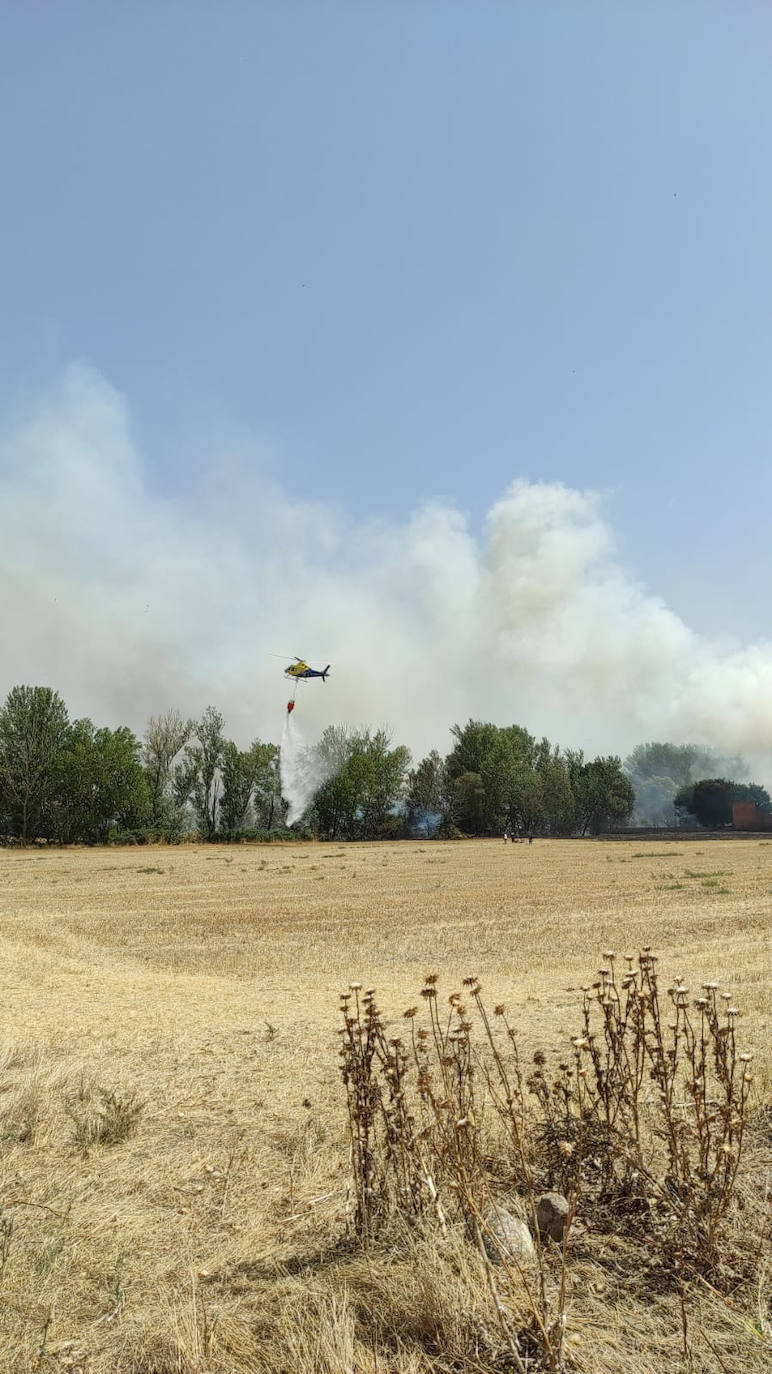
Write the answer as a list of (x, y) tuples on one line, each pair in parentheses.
[(302, 770)]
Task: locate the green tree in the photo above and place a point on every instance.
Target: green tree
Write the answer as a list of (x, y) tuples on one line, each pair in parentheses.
[(184, 779), (711, 800), (101, 785), (753, 792), (365, 782), (527, 810), (426, 798), (501, 757), (603, 794), (659, 771), (267, 801), (33, 729), (384, 775), (475, 741), (683, 801), (201, 775), (468, 803), (557, 796), (165, 737), (335, 800), (248, 777)]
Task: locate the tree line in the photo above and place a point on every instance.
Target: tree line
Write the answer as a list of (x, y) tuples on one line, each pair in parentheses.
[(73, 782)]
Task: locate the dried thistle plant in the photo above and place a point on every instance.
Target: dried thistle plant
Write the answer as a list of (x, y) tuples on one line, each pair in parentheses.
[(646, 1109)]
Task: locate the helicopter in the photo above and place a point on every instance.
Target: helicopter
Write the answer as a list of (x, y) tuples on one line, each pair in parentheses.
[(299, 670)]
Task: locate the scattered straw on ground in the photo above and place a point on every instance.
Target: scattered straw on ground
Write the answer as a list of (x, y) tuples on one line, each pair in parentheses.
[(204, 981)]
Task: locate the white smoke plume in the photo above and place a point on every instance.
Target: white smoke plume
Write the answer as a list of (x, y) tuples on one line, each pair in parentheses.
[(302, 770), (130, 602)]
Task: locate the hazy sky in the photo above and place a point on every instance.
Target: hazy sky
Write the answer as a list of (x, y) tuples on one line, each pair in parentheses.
[(373, 255)]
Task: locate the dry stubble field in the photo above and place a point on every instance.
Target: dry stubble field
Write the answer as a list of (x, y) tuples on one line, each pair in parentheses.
[(205, 981)]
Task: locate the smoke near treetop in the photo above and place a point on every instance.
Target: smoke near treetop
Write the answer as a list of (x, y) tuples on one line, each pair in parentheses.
[(129, 601)]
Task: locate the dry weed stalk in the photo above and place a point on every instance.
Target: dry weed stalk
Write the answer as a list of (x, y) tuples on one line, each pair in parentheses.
[(647, 1113), (401, 1167), (385, 1158), (114, 1120), (663, 1074)]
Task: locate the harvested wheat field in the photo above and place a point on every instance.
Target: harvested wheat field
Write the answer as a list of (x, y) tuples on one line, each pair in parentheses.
[(175, 1162)]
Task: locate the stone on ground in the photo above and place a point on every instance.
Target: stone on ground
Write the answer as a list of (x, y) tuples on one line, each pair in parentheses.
[(552, 1216), (506, 1237)]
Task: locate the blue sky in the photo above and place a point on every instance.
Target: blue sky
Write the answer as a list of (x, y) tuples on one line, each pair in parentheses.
[(392, 252)]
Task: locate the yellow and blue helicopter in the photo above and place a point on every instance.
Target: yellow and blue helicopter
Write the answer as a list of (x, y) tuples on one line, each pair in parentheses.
[(299, 669)]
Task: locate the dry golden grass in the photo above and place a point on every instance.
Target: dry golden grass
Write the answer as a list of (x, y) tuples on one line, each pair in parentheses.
[(205, 981)]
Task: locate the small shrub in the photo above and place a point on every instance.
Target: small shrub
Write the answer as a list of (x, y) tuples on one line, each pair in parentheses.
[(119, 837), (448, 830), (114, 1119)]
